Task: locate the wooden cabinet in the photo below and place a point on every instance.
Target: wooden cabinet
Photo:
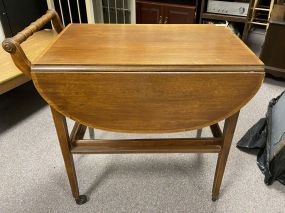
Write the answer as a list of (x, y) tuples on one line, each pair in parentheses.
[(155, 12), (175, 14), (273, 50), (149, 12)]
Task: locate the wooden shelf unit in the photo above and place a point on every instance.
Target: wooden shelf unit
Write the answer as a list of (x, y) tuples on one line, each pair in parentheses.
[(166, 11), (223, 17)]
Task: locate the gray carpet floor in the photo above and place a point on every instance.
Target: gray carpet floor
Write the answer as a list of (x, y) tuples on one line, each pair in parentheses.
[(33, 178)]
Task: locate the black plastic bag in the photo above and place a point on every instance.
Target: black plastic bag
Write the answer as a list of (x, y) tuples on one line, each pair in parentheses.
[(268, 136)]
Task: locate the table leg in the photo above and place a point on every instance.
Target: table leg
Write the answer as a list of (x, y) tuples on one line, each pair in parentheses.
[(199, 133), (64, 141), (228, 132), (91, 133)]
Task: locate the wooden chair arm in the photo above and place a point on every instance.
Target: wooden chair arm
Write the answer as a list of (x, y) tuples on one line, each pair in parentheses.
[(12, 45)]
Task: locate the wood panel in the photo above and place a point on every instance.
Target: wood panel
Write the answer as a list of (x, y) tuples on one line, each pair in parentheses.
[(175, 14), (169, 45), (273, 50), (147, 102), (149, 13)]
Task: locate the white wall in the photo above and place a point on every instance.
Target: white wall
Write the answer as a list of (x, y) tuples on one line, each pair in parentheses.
[(1, 33), (133, 11)]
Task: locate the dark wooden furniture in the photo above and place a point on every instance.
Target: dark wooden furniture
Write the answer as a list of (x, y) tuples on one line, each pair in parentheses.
[(273, 50), (204, 15), (14, 18), (165, 12), (142, 79)]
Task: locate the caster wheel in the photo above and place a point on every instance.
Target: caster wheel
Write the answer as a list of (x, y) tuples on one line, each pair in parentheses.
[(81, 200)]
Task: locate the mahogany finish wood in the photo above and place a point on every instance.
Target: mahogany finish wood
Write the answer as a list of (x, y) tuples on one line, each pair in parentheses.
[(146, 78), (161, 12), (149, 13), (176, 14)]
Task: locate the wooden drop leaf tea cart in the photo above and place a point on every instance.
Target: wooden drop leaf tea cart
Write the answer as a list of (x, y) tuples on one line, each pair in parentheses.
[(141, 79)]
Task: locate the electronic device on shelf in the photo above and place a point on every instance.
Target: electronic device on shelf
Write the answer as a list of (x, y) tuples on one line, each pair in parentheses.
[(236, 8)]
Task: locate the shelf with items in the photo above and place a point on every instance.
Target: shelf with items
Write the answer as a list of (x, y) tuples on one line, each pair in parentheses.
[(240, 21), (215, 16), (176, 2)]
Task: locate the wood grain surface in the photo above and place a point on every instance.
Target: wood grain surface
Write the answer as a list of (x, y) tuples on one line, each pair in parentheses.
[(149, 45), (147, 102)]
